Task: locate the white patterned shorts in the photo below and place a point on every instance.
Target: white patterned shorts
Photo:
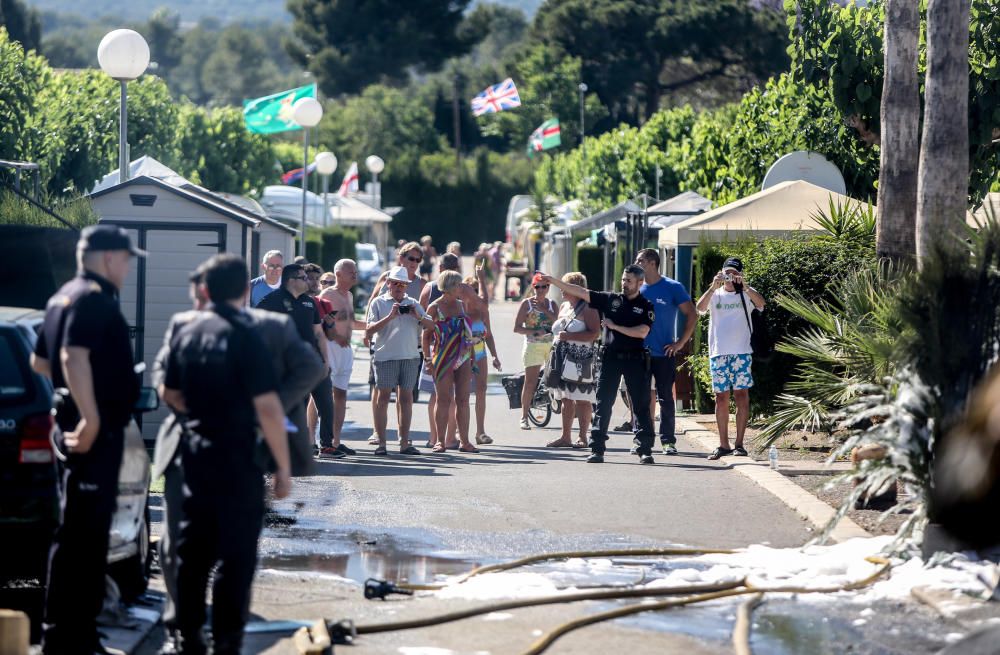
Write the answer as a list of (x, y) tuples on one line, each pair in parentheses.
[(397, 373), (731, 372)]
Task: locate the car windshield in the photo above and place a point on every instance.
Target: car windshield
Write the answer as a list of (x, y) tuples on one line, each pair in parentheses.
[(365, 254), (14, 379)]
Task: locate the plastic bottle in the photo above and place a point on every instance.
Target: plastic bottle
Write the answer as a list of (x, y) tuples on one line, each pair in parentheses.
[(772, 457)]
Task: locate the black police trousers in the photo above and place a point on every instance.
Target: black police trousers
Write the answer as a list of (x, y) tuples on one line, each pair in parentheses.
[(322, 395), (78, 559), (615, 366), (221, 518)]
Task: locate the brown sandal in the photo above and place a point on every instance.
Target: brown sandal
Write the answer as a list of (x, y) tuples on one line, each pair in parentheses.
[(559, 443)]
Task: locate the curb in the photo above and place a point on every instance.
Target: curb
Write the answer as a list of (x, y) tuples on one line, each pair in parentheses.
[(798, 499)]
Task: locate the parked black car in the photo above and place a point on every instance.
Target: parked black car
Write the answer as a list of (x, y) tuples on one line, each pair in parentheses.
[(29, 469)]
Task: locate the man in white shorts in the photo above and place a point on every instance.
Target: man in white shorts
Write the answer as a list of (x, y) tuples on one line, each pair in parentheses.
[(337, 291)]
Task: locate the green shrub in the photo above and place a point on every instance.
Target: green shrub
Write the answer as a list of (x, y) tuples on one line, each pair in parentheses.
[(326, 246), (806, 264)]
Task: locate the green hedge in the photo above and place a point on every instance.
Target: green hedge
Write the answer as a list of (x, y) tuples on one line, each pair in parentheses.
[(808, 264), (328, 245)]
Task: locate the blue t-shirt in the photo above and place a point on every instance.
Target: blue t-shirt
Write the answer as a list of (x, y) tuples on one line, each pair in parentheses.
[(259, 289), (666, 295)]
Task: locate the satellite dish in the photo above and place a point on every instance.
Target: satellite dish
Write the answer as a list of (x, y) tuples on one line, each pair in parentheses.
[(809, 166)]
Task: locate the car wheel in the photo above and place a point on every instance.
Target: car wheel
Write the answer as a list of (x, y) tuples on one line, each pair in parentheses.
[(132, 574)]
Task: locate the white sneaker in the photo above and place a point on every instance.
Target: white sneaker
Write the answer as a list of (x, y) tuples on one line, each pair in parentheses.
[(669, 449), (525, 425), (373, 440)]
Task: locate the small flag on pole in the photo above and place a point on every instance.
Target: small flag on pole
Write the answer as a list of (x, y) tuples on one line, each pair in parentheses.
[(350, 183), (273, 113), (496, 98), (294, 176), (545, 137)]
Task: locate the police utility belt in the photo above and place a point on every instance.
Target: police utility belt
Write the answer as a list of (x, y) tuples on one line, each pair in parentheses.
[(634, 355)]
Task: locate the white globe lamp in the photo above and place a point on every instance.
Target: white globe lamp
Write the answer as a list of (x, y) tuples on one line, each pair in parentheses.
[(375, 164), (124, 56), (307, 112), (326, 163)]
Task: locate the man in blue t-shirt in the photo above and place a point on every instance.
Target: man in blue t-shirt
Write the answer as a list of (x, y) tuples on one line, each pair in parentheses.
[(668, 297)]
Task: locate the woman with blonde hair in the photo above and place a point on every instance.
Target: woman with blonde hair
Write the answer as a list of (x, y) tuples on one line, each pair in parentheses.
[(534, 320), (451, 361), (575, 332)]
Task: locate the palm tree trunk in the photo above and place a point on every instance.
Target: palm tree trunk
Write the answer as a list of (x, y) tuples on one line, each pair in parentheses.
[(943, 185), (900, 118)]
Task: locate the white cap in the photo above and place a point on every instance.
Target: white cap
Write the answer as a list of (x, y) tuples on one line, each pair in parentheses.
[(399, 274)]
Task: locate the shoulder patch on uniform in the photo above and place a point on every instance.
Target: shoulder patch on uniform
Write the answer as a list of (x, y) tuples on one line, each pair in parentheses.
[(616, 303), (652, 315)]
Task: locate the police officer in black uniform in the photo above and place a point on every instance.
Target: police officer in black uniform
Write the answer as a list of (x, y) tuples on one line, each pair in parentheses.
[(84, 348), (219, 375), (628, 317)]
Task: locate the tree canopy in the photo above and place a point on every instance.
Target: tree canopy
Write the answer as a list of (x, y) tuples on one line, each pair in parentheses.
[(22, 23)]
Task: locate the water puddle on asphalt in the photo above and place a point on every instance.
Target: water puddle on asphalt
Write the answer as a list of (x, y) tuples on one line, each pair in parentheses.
[(359, 556)]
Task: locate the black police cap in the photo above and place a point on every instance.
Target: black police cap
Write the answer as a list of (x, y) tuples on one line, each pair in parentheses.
[(96, 238), (733, 262)]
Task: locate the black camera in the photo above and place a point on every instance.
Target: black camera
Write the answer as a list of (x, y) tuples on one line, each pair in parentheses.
[(404, 309)]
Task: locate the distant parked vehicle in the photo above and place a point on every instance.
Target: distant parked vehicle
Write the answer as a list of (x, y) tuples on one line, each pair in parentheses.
[(29, 470), (369, 268)]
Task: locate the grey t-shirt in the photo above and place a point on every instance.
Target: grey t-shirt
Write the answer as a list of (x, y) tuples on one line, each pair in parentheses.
[(401, 338)]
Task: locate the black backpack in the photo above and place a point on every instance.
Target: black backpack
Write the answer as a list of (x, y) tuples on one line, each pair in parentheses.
[(760, 340)]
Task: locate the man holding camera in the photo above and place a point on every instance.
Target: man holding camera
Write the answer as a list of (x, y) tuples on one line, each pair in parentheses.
[(394, 322), (728, 304)]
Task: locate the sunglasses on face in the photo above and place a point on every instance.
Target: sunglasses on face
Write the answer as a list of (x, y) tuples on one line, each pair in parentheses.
[(326, 283), (541, 286), (299, 277), (415, 260), (275, 267)]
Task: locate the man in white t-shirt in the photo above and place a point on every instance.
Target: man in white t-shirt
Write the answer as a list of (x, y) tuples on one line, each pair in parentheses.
[(270, 278), (729, 349)]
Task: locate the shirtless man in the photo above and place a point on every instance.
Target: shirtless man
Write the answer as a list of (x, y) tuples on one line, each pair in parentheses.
[(477, 309), (339, 325)]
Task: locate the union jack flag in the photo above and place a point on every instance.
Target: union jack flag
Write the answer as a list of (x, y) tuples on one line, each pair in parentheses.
[(496, 98)]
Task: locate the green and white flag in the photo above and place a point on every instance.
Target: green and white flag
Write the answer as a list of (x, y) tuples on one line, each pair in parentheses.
[(545, 137), (273, 113)]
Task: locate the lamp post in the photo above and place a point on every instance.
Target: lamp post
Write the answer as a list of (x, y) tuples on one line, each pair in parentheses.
[(326, 164), (582, 88), (124, 56), (307, 112), (376, 165)]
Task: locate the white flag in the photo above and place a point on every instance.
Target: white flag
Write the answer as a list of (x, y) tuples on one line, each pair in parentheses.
[(350, 183)]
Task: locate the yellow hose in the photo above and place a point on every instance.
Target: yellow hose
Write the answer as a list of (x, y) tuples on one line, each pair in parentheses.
[(581, 554), (546, 640)]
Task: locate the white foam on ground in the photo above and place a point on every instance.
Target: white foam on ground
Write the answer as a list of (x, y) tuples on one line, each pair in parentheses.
[(282, 575), (809, 567)]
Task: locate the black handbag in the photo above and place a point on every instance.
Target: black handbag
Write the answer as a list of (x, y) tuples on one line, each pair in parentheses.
[(760, 341)]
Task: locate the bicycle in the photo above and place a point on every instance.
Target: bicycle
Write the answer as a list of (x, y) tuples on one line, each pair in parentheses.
[(543, 405)]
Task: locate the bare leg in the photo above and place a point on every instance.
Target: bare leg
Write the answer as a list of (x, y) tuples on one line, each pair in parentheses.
[(339, 412), (528, 391), (450, 441), (445, 398), (722, 417), (481, 378), (404, 401), (381, 414), (431, 417), (312, 419), (568, 414), (584, 412), (463, 384), (742, 398)]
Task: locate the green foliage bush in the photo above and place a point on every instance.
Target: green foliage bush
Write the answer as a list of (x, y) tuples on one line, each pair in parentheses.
[(326, 246), (806, 264)]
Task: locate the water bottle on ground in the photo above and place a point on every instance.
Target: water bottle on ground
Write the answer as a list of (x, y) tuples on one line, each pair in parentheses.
[(772, 457)]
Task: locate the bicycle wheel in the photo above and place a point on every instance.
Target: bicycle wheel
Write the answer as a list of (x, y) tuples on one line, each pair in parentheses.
[(540, 412)]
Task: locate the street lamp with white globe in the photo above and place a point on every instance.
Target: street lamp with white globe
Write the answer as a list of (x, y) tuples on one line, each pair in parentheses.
[(307, 112), (375, 165), (326, 164), (124, 56)]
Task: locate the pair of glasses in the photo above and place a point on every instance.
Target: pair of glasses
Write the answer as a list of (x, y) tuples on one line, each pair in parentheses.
[(299, 277), (326, 283), (274, 267), (415, 260), (541, 286)]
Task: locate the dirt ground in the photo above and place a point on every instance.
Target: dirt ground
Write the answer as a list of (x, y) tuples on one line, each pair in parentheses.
[(812, 446)]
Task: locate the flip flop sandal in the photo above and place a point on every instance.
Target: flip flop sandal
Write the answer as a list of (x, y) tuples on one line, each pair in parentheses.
[(438, 448), (471, 450), (580, 444), (740, 451), (484, 439), (720, 452), (381, 451), (558, 443), (409, 450), (373, 440)]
